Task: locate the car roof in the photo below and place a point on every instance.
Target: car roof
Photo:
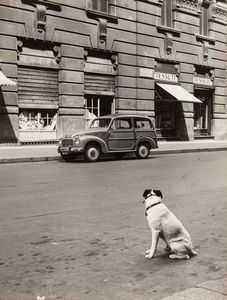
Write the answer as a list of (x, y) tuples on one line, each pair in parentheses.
[(124, 116)]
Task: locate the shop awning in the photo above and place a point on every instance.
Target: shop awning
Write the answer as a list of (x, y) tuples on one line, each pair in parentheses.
[(6, 81), (179, 93)]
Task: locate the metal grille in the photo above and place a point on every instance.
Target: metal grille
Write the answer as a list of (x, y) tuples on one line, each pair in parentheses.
[(67, 142)]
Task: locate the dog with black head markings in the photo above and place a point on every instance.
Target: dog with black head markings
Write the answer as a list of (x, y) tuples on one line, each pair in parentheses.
[(164, 224)]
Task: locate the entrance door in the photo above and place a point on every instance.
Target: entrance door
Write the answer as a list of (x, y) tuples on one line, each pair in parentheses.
[(165, 118), (98, 105), (202, 112)]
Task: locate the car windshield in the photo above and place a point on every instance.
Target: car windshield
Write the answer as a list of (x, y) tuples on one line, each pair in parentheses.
[(100, 123)]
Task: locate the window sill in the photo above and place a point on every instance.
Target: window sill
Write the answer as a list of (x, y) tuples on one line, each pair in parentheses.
[(202, 38), (165, 29), (96, 15)]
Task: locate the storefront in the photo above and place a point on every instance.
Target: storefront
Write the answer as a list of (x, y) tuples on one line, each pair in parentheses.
[(203, 112), (38, 91), (169, 96)]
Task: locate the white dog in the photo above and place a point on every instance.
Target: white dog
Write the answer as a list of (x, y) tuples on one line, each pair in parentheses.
[(164, 224)]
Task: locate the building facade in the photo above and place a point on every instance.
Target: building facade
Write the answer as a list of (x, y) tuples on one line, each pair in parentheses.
[(64, 62)]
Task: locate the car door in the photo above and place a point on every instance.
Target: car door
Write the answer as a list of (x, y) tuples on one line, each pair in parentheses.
[(144, 128), (121, 135)]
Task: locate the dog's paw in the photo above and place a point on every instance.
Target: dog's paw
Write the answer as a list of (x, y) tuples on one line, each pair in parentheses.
[(148, 251), (150, 255)]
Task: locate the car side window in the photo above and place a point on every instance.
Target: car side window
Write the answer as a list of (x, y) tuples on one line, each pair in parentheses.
[(122, 124), (142, 124)]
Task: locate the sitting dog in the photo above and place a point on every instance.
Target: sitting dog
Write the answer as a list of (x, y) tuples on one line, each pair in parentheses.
[(164, 224)]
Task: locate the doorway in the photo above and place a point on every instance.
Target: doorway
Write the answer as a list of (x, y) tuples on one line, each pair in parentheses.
[(203, 112)]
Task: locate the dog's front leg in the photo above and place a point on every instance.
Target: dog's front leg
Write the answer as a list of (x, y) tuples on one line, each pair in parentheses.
[(154, 242)]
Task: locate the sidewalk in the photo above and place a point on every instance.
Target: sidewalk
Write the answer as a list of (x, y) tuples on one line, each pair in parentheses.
[(36, 153), (209, 290)]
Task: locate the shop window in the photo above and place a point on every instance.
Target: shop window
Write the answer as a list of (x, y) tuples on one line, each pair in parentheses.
[(204, 19), (203, 112), (37, 120), (167, 13)]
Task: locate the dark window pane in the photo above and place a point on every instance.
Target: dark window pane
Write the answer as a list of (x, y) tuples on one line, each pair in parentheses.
[(95, 4), (104, 6)]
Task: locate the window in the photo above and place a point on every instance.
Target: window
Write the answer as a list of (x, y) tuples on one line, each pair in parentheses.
[(167, 13), (37, 120), (98, 105), (100, 5), (142, 124), (204, 19), (122, 124)]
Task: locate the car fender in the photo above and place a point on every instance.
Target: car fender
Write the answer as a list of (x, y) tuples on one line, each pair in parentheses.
[(149, 140), (90, 139)]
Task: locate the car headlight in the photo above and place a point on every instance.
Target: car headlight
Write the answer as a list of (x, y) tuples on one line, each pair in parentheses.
[(60, 142), (77, 142)]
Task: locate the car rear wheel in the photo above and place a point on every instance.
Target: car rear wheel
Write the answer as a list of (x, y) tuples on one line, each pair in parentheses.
[(143, 151), (92, 152)]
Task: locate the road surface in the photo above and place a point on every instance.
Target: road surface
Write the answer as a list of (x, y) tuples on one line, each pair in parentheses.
[(78, 231)]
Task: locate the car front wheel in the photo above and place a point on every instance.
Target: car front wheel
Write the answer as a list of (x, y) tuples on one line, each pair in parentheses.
[(92, 152), (143, 151)]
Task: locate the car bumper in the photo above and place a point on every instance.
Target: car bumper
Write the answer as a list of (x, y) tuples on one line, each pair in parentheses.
[(69, 150)]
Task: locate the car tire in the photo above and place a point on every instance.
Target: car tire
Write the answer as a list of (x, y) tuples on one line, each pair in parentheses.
[(68, 157), (92, 152), (143, 151)]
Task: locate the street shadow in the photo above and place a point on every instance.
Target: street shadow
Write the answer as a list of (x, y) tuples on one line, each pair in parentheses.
[(7, 133), (106, 158)]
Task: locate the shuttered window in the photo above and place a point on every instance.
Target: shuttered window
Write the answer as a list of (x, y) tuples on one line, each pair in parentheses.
[(99, 84), (37, 88)]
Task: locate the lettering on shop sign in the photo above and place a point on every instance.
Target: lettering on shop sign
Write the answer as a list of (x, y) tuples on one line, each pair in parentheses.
[(202, 80), (165, 76), (99, 68)]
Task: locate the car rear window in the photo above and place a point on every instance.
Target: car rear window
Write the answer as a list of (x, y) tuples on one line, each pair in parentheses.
[(143, 124)]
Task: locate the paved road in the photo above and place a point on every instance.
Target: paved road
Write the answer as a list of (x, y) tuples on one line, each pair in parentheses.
[(78, 231)]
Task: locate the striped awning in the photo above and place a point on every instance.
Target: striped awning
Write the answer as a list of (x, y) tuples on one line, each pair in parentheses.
[(5, 81), (179, 93)]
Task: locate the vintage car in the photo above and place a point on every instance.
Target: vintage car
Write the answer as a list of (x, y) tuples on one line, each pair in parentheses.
[(116, 134)]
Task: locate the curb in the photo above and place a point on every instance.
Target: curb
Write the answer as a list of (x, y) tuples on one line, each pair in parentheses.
[(154, 152), (177, 151), (28, 159)]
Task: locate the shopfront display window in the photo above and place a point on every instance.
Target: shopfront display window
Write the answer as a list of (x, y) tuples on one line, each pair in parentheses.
[(37, 124), (36, 120)]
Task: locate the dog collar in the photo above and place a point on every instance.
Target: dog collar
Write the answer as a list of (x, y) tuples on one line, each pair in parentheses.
[(150, 206)]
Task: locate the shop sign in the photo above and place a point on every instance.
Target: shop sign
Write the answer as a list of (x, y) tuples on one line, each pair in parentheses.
[(99, 68), (202, 80), (165, 76)]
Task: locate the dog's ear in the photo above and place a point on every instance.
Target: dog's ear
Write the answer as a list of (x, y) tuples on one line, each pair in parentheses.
[(158, 193), (146, 193)]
